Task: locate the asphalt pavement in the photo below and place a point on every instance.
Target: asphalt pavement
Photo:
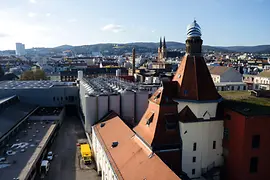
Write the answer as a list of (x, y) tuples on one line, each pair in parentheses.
[(67, 163)]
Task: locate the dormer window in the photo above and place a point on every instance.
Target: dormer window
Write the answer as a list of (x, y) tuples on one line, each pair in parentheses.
[(149, 118)]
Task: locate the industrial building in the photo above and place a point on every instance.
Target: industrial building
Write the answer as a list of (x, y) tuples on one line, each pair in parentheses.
[(26, 133), (100, 95), (42, 93)]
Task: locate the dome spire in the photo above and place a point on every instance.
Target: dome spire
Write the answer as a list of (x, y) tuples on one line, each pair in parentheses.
[(194, 30)]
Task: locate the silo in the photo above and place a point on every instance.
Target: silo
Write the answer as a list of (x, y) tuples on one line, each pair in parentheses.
[(80, 75), (127, 106), (141, 104), (103, 106), (156, 80), (90, 112), (114, 103)]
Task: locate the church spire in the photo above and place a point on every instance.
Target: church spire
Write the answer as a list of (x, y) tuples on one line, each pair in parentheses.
[(164, 43), (160, 43)]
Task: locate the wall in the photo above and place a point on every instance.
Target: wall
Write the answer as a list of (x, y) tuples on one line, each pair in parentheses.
[(203, 134), (127, 106), (199, 109), (44, 96), (239, 146), (102, 162), (91, 112), (141, 104)]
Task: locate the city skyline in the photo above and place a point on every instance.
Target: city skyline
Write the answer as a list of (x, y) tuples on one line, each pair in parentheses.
[(40, 23)]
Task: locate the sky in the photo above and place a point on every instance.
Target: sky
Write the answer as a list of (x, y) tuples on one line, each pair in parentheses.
[(50, 23)]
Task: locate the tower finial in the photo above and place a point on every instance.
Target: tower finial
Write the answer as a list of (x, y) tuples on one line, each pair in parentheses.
[(160, 43)]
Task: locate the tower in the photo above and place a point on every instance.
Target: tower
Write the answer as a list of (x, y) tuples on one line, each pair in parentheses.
[(133, 61), (181, 121), (200, 128), (162, 50)]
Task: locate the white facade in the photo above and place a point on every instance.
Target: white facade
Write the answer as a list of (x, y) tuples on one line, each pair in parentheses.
[(231, 86), (201, 140), (203, 135), (104, 167), (262, 82), (20, 49), (200, 110)]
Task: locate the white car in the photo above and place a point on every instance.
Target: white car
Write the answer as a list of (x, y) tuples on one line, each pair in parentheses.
[(50, 156)]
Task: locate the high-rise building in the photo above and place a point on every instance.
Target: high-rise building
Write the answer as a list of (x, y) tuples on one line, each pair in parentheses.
[(20, 49)]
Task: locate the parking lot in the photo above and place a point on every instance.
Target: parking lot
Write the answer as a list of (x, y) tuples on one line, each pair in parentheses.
[(67, 163)]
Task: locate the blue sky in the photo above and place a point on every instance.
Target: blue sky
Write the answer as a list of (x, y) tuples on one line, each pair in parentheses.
[(49, 23)]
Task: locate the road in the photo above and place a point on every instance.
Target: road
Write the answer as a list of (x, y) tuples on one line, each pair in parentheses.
[(67, 164)]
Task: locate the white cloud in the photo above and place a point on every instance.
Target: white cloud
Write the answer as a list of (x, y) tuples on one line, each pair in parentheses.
[(31, 14), (153, 31), (113, 28), (33, 1), (3, 35), (72, 20), (48, 14)]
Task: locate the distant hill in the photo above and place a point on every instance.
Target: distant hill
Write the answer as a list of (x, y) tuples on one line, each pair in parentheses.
[(250, 49), (143, 47)]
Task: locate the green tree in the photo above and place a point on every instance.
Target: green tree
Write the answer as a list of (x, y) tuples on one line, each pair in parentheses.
[(34, 75)]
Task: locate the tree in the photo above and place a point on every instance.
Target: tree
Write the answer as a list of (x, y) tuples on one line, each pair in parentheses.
[(34, 75)]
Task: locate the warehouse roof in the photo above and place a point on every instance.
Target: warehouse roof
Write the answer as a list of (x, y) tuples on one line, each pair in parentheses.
[(31, 84), (12, 115)]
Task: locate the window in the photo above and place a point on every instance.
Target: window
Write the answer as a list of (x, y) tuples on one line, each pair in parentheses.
[(256, 141), (193, 171), (226, 133), (194, 146), (245, 88), (150, 120), (238, 88), (185, 92), (232, 88), (194, 159), (214, 144), (253, 168)]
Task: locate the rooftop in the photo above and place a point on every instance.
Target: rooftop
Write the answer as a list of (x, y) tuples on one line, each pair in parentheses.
[(24, 149), (31, 84), (130, 159), (12, 115), (48, 111), (244, 103), (107, 85)]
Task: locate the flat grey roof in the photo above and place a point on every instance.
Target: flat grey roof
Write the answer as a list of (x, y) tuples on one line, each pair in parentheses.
[(31, 84), (6, 99), (20, 163), (13, 114)]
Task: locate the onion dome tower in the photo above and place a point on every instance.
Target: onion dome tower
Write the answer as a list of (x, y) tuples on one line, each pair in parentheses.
[(193, 76)]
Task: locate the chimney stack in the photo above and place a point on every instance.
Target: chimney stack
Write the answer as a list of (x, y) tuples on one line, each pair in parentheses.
[(133, 61)]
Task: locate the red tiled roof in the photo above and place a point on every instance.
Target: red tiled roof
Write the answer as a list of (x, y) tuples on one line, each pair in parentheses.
[(130, 159), (194, 79)]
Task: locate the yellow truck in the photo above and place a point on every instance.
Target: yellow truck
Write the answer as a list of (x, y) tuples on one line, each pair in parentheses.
[(86, 153)]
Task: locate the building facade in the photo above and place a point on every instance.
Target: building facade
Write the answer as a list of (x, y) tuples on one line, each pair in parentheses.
[(20, 49)]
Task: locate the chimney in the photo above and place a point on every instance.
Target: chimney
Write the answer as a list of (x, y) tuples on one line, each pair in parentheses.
[(133, 61)]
